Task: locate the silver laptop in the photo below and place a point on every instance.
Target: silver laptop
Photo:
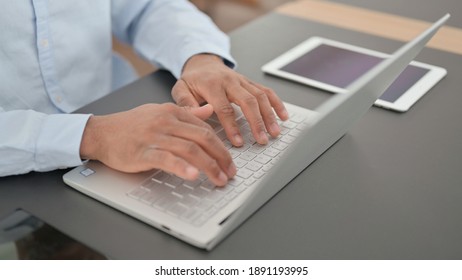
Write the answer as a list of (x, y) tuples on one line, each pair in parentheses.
[(200, 213)]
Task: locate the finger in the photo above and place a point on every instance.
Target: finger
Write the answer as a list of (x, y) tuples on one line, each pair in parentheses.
[(227, 118), (209, 142), (167, 161), (203, 112), (194, 154), (275, 101), (251, 109), (183, 96), (186, 114), (266, 109)]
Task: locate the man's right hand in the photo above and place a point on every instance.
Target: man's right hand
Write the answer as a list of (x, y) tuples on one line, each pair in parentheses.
[(159, 136)]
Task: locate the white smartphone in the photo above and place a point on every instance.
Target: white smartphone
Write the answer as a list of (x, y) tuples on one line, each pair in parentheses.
[(332, 66)]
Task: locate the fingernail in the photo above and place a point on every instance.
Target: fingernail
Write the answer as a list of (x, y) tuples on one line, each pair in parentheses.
[(275, 128), (263, 137), (191, 172), (223, 178), (238, 140)]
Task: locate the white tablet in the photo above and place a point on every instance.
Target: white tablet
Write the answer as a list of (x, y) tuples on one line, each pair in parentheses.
[(332, 66)]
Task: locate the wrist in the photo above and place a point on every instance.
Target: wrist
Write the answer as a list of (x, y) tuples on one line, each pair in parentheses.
[(90, 139), (201, 59)]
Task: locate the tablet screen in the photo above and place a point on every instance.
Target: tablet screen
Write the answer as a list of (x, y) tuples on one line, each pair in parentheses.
[(340, 67)]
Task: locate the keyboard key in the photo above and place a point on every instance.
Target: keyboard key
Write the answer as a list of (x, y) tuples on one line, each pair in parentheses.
[(248, 156), (173, 181), (227, 144), (221, 135), (214, 124), (281, 146), (289, 124), (297, 118), (248, 138), (241, 188), (243, 148), (254, 166), (204, 204), (192, 184), (241, 121), (230, 196), (234, 154), (166, 201), (137, 193), (244, 173), (294, 133), (214, 196), (271, 152), (259, 174), (189, 201), (250, 181), (177, 210), (263, 159), (208, 185), (236, 181), (202, 177), (267, 168), (161, 176), (179, 195), (245, 129), (284, 130), (199, 193), (239, 162), (183, 190), (287, 139), (257, 148), (221, 203), (190, 214)]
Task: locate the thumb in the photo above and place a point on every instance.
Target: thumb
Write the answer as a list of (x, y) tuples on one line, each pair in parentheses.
[(203, 112), (182, 95)]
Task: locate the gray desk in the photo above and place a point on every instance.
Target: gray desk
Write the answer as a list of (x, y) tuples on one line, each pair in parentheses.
[(390, 189)]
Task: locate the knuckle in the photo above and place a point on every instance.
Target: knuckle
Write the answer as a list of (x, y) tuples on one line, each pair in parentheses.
[(226, 109), (208, 135), (267, 90), (181, 99), (259, 94), (170, 107), (192, 148), (250, 100), (260, 124)]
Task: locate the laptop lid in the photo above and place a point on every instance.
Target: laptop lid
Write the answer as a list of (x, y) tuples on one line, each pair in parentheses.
[(335, 117)]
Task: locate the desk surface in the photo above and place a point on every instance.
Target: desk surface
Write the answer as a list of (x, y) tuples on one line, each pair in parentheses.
[(389, 189)]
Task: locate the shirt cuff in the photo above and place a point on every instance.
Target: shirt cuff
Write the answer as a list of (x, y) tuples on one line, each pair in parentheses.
[(58, 144), (190, 51)]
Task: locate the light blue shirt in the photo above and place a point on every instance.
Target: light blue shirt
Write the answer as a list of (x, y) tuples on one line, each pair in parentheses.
[(56, 56)]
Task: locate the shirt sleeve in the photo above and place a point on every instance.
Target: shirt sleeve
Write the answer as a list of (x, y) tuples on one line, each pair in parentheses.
[(167, 33), (33, 141)]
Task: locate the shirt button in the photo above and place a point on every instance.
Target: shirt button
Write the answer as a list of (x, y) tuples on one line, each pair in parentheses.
[(58, 99), (44, 43)]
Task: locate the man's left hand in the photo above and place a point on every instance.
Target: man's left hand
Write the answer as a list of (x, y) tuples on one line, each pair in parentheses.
[(205, 78)]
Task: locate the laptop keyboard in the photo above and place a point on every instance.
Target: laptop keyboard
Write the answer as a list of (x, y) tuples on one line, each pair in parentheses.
[(196, 201)]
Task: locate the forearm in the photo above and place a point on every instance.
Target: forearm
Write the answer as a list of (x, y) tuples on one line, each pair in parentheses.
[(168, 33), (32, 141)]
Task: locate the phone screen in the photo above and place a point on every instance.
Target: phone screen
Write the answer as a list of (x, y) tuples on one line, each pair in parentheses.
[(24, 236), (340, 67)]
